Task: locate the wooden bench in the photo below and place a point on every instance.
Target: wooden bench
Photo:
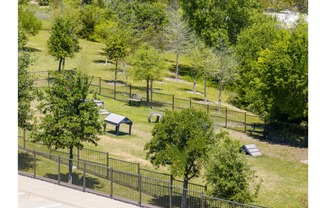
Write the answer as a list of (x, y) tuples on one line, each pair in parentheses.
[(135, 98)]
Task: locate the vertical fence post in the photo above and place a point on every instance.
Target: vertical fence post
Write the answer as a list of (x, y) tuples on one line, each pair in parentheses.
[(139, 188), (84, 177), (111, 179), (48, 79), (24, 137), (172, 102), (34, 157), (78, 157), (190, 103), (226, 117), (59, 169), (170, 192), (202, 200), (265, 127), (207, 108), (245, 122), (100, 86), (107, 165)]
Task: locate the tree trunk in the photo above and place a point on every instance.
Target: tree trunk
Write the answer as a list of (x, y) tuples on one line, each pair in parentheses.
[(147, 91), (195, 81), (60, 61), (184, 192), (63, 63), (115, 78), (220, 93), (151, 88), (125, 71), (177, 66), (70, 164), (205, 96)]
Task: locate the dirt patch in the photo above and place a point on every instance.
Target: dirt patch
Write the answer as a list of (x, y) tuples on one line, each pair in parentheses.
[(175, 80)]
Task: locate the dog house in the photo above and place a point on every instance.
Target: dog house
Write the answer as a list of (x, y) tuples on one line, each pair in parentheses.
[(117, 120)]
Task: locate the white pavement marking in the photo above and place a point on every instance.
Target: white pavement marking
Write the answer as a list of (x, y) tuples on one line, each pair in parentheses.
[(53, 205)]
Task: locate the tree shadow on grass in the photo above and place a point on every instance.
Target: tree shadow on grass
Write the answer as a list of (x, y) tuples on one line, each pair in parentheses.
[(164, 201), (77, 179), (183, 70), (25, 161), (30, 49)]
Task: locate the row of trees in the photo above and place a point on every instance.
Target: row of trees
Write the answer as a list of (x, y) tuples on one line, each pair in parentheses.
[(219, 39)]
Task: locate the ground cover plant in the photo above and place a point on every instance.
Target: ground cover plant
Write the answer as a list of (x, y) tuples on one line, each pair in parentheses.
[(282, 168)]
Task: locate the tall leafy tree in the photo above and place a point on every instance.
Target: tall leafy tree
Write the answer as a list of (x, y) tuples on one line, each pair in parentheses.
[(211, 17), (228, 173), (225, 65), (148, 65), (116, 49), (70, 118), (63, 41), (177, 35), (25, 92), (251, 42), (181, 141), (28, 24), (273, 72)]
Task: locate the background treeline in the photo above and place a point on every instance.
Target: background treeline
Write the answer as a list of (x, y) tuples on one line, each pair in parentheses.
[(233, 44)]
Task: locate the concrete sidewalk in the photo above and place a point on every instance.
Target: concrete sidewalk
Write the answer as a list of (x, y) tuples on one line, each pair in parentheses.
[(64, 195)]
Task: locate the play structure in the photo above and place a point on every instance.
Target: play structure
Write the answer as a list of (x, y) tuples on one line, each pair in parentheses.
[(102, 109), (117, 120), (251, 149), (158, 117)]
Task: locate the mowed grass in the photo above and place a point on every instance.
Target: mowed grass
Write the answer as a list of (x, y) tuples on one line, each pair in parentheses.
[(285, 176)]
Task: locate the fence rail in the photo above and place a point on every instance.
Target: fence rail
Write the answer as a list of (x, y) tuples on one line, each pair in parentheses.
[(135, 188)]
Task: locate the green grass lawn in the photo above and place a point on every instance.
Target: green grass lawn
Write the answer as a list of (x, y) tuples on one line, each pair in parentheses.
[(285, 176)]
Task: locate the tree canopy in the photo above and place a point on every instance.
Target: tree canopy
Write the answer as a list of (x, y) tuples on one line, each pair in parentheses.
[(147, 65), (63, 41), (273, 70), (228, 173), (71, 118), (25, 92), (181, 141), (211, 18)]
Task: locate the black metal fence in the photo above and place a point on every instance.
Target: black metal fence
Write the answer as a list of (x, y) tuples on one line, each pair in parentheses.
[(221, 116), (95, 178), (102, 159)]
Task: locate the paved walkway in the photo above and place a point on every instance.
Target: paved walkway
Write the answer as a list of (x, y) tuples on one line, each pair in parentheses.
[(34, 193)]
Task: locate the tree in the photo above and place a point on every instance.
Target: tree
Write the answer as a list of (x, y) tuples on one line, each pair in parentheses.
[(25, 92), (63, 41), (177, 35), (116, 49), (28, 21), (181, 141), (148, 65), (226, 64), (196, 57), (273, 70), (70, 117), (209, 18), (28, 24), (251, 42), (228, 174)]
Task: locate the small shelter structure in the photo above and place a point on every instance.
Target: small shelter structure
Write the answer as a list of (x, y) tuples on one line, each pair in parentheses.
[(117, 120)]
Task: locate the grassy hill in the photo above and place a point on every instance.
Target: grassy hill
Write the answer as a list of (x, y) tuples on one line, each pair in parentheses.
[(282, 168)]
